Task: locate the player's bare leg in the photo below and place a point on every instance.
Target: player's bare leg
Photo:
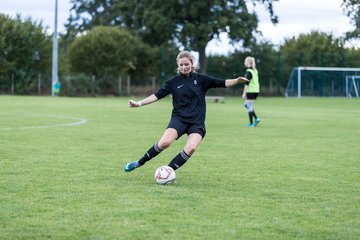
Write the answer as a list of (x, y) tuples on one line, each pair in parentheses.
[(191, 145), (169, 136)]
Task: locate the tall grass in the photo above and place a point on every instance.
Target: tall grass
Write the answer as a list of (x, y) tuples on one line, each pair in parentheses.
[(295, 176)]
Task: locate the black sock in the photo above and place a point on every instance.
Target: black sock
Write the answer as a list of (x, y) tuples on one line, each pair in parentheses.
[(254, 115), (179, 160), (151, 153), (250, 117)]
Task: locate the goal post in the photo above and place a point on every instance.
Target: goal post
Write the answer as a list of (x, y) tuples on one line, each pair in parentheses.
[(352, 86), (323, 82)]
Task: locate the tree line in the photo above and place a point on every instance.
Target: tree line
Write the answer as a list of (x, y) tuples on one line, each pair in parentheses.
[(106, 42)]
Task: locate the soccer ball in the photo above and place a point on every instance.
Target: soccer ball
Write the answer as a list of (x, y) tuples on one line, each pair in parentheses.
[(165, 175)]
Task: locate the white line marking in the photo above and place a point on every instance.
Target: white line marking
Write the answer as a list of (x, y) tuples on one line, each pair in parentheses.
[(79, 121)]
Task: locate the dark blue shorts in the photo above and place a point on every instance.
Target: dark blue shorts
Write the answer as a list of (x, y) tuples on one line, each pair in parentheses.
[(188, 128)]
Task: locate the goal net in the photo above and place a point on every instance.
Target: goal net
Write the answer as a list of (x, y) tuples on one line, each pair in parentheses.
[(323, 82), (352, 86)]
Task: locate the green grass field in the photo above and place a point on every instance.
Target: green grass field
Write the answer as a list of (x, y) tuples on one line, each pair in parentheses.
[(295, 176)]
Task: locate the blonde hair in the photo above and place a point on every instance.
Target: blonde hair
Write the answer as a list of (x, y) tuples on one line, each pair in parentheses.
[(188, 55), (250, 62)]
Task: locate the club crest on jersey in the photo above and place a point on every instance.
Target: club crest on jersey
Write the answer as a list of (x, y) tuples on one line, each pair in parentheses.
[(195, 82)]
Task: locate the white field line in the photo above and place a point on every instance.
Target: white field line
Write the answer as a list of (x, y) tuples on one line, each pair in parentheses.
[(78, 121)]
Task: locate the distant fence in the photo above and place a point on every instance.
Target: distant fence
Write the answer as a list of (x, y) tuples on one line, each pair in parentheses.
[(85, 85), (79, 85), (39, 85)]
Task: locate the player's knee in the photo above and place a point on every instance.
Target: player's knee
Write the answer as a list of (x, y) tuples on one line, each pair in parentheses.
[(190, 149), (164, 144), (248, 107), (245, 105)]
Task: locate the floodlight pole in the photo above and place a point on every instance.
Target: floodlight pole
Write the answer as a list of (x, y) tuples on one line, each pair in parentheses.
[(55, 77)]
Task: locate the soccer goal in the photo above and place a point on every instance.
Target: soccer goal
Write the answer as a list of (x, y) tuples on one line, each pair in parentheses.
[(352, 86), (323, 82)]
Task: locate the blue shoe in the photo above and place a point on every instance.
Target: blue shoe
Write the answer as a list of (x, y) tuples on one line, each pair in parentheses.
[(251, 125), (257, 121), (131, 166)]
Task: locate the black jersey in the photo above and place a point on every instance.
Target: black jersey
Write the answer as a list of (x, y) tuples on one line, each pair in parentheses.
[(188, 95)]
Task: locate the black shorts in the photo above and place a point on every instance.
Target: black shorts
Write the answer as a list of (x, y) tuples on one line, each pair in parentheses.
[(188, 128), (251, 95)]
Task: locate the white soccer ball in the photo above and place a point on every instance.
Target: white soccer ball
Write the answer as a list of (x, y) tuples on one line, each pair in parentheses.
[(165, 175)]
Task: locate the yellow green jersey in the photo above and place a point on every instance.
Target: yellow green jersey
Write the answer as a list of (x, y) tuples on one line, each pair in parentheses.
[(253, 86)]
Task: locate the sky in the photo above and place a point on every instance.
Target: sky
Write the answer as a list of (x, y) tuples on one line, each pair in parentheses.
[(295, 17)]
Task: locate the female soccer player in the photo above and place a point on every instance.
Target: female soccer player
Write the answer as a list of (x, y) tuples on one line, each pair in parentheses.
[(188, 90), (251, 90)]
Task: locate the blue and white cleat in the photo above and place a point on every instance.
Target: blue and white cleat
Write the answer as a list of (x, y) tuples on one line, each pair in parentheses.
[(131, 166), (251, 125), (257, 121)]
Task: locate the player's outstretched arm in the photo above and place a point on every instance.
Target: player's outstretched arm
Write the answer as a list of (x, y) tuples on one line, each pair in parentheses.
[(150, 99), (232, 82)]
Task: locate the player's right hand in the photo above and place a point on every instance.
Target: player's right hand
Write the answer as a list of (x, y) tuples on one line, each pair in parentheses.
[(133, 104)]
